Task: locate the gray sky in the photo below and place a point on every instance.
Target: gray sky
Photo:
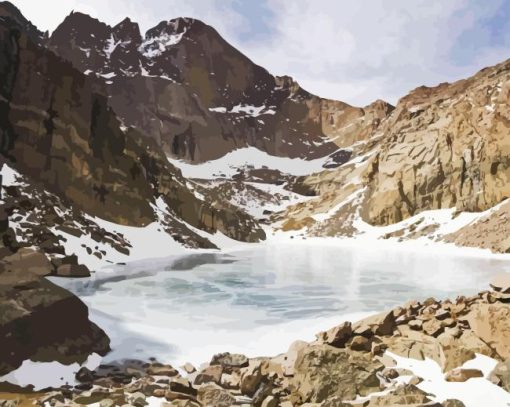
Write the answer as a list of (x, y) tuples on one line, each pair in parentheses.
[(356, 51)]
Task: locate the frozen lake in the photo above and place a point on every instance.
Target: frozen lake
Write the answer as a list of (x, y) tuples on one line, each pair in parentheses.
[(260, 300)]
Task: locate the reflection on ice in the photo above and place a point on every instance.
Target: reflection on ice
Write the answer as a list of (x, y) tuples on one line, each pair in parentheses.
[(258, 301)]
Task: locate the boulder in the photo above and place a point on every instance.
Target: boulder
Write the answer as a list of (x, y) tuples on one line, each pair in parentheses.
[(72, 270), (462, 375), (360, 343), (229, 361), (322, 372), (209, 374), (212, 395), (159, 369), (452, 403), (501, 283), (337, 336), (406, 395), (501, 375), (491, 323), (251, 377), (380, 324)]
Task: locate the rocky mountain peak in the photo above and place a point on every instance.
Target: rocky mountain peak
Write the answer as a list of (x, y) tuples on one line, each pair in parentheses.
[(10, 11), (127, 31)]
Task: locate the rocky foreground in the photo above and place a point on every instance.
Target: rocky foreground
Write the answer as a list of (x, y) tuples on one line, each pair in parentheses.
[(348, 365)]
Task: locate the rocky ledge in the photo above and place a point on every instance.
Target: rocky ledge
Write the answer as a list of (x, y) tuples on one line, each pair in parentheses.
[(40, 321), (352, 364)]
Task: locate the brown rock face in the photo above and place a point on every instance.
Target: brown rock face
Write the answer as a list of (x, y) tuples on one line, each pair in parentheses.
[(57, 128), (39, 320), (200, 98), (444, 146)]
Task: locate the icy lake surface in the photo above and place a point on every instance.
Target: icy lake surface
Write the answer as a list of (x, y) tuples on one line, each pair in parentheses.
[(259, 301)]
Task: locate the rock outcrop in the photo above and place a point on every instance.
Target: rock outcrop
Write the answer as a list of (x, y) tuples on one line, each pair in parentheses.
[(40, 321)]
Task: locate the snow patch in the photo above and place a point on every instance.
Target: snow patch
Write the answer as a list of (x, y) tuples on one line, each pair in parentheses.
[(473, 393), (229, 165), (247, 110)]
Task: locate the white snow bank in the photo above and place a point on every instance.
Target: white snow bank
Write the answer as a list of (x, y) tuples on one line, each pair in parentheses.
[(228, 165), (475, 392)]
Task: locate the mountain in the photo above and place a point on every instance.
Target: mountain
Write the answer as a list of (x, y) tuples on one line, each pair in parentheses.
[(444, 147), (117, 146), (183, 85)]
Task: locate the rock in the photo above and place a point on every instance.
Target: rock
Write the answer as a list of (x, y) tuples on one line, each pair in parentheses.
[(107, 403), (491, 323), (501, 283), (405, 395), (501, 375), (416, 324), (229, 361), (211, 395), (90, 397), (380, 324), (322, 372), (361, 344), (182, 385), (452, 403), (264, 390), (231, 381), (442, 314), (209, 374), (28, 261), (189, 368), (137, 399), (72, 270), (55, 322), (270, 401), (289, 359), (432, 327), (462, 375), (251, 377), (337, 336), (84, 375), (158, 369)]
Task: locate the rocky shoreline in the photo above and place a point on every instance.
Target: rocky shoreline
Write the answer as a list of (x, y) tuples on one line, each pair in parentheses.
[(352, 364)]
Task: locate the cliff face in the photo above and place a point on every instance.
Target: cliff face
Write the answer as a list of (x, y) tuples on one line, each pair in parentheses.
[(185, 86), (57, 129), (444, 147)]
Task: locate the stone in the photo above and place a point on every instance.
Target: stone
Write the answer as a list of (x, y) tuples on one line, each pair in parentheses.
[(107, 403), (432, 327), (452, 403), (182, 385), (209, 374), (289, 359), (231, 380), (251, 377), (72, 270), (159, 369), (491, 323), (137, 399), (212, 395), (189, 368), (229, 361), (405, 395), (442, 314), (380, 324), (270, 401), (337, 336), (322, 372), (462, 375), (416, 324), (360, 343), (501, 375), (501, 283)]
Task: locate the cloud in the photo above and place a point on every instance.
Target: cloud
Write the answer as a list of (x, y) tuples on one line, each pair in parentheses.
[(355, 51), (368, 49)]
